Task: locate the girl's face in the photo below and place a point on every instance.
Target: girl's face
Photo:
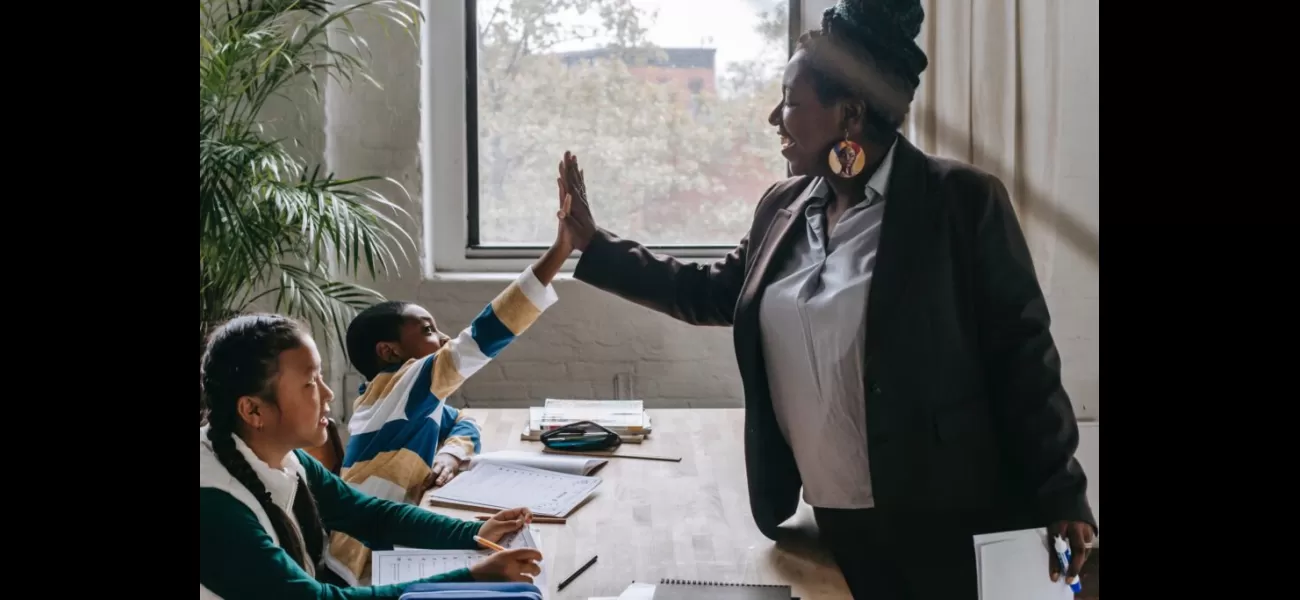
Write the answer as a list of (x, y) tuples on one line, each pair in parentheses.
[(299, 417)]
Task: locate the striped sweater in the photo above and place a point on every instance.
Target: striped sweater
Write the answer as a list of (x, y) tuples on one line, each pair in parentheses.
[(402, 421)]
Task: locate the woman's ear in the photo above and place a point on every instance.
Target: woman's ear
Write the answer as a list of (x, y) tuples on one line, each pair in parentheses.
[(853, 117)]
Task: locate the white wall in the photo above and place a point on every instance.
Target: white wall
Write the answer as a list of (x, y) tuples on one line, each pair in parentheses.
[(582, 343)]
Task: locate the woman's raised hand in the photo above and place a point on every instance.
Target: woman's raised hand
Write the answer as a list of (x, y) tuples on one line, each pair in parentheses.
[(576, 223)]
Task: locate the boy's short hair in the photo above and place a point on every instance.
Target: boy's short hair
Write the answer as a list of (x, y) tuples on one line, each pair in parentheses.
[(379, 323)]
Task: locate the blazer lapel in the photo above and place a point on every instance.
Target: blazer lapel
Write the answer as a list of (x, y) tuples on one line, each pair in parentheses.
[(906, 232), (777, 238)]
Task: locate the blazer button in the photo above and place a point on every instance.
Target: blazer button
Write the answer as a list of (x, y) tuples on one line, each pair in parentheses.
[(875, 389)]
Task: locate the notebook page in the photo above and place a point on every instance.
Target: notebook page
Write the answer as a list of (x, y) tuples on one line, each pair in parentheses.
[(546, 493), (1013, 566), (409, 564)]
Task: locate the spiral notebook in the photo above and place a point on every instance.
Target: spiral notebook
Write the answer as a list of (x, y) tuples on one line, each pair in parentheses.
[(677, 589)]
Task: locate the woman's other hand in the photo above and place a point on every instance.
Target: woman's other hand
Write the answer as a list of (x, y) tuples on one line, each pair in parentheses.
[(578, 226)]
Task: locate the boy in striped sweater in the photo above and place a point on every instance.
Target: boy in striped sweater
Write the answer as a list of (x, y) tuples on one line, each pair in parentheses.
[(404, 437)]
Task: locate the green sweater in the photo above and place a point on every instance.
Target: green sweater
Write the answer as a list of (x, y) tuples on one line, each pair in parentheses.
[(238, 558)]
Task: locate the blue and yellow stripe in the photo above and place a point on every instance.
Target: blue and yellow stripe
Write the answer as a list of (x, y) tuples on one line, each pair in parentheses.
[(400, 450)]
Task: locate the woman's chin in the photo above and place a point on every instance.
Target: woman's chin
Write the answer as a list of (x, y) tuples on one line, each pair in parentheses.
[(798, 168)]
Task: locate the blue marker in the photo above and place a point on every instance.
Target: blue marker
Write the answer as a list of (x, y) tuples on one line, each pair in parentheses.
[(1063, 554)]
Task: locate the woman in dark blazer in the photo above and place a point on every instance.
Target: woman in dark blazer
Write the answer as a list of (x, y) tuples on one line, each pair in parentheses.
[(891, 334)]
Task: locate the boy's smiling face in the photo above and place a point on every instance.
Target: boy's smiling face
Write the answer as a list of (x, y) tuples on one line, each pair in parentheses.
[(419, 334)]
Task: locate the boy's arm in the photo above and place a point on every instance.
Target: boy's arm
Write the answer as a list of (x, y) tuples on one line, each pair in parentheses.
[(460, 442), (505, 318), (462, 438)]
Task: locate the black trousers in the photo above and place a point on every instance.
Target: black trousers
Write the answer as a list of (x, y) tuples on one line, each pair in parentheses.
[(892, 556)]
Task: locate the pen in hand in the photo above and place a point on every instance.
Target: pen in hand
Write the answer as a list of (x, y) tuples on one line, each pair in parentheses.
[(1063, 555)]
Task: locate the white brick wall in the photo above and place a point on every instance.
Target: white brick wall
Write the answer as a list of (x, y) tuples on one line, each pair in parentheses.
[(587, 339)]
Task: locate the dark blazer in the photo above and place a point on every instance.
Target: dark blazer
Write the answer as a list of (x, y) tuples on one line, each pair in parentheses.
[(965, 409)]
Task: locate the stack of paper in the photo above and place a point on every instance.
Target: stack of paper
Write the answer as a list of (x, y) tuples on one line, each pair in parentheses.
[(627, 418), (1013, 565)]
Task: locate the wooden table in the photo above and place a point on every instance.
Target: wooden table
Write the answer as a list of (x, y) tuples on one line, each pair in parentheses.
[(653, 520)]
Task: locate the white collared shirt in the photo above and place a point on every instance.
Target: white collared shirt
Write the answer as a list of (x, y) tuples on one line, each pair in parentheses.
[(812, 321)]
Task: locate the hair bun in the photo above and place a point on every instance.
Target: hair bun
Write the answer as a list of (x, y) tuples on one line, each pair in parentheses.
[(903, 16), (885, 29)]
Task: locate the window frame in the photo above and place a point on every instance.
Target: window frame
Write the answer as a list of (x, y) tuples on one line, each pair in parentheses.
[(449, 171)]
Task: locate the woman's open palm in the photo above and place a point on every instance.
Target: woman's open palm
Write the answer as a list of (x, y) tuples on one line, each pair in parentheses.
[(576, 221)]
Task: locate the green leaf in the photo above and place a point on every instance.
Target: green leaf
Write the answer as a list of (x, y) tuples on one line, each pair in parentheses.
[(271, 224)]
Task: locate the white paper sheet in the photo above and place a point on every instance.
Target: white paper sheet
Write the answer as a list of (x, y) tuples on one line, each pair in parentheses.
[(1013, 565), (401, 565), (638, 591), (546, 493), (560, 463)]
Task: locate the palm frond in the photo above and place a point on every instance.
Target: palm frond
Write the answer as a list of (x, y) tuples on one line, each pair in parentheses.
[(271, 224)]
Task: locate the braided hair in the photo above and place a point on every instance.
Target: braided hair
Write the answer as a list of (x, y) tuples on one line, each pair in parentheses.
[(866, 49), (242, 359)]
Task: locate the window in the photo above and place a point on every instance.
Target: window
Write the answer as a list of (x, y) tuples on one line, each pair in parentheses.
[(665, 102)]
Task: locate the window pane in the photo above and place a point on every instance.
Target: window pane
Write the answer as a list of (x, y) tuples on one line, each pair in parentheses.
[(665, 102)]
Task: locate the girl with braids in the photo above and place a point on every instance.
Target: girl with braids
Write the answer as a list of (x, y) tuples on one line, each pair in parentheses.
[(265, 505)]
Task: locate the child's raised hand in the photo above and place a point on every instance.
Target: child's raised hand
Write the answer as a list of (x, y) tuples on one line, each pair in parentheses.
[(506, 521)]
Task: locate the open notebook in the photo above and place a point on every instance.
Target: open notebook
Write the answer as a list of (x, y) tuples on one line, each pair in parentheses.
[(502, 486)]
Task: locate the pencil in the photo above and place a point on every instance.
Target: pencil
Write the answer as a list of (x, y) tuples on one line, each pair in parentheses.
[(544, 520), (491, 545), (614, 455), (576, 573)]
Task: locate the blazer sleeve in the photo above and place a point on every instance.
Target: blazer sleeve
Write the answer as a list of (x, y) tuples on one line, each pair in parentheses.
[(699, 294), (1024, 368)]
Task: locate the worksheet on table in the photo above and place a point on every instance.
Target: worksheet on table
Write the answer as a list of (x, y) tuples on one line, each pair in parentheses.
[(546, 493), (401, 565)]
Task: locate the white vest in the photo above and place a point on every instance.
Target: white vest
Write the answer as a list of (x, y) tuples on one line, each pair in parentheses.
[(281, 483)]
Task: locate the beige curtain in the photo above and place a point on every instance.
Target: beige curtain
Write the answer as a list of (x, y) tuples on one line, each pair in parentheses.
[(1012, 87)]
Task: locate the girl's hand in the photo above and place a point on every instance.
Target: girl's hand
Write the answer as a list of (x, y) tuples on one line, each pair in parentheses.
[(518, 565), (506, 521)]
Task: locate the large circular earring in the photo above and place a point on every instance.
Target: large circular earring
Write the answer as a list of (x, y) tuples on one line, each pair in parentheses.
[(847, 158)]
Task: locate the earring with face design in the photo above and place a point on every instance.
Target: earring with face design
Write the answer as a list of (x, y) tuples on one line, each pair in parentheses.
[(847, 158)]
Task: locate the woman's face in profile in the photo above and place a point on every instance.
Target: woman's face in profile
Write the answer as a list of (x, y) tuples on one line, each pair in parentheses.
[(807, 129)]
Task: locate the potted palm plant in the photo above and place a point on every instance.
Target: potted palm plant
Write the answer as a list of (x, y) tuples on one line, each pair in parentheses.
[(274, 228)]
